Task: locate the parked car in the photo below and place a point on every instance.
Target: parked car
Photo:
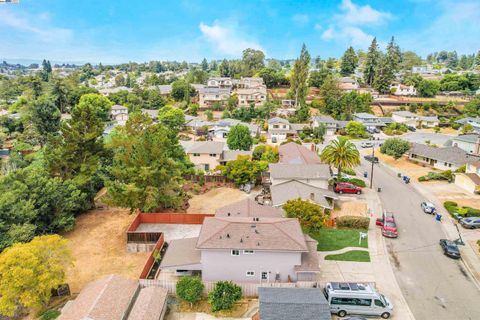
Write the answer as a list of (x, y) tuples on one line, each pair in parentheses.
[(371, 158), (470, 222), (389, 227), (412, 128), (342, 176), (344, 187), (450, 248), (428, 207), (376, 130), (366, 144)]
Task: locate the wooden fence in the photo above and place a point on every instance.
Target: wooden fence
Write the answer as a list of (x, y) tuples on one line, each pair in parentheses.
[(208, 179), (167, 218), (148, 265)]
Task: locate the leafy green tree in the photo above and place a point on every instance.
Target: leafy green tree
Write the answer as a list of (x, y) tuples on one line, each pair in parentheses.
[(409, 60), (252, 60), (331, 96), (298, 82), (309, 214), (472, 108), (272, 77), (467, 128), (224, 295), (190, 289), (352, 102), (45, 118), (46, 70), (371, 62), (147, 168), (341, 153), (383, 75), (454, 82), (349, 62), (60, 93), (413, 80), (209, 115), (428, 88), (393, 56), (265, 152), (355, 129), (172, 118), (318, 77), (29, 272), (395, 147), (182, 91), (224, 68), (101, 103), (239, 138), (243, 170)]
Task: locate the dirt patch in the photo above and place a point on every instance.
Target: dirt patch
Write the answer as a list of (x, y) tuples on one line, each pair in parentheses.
[(214, 199), (446, 130), (98, 244), (405, 166), (239, 309), (357, 208)]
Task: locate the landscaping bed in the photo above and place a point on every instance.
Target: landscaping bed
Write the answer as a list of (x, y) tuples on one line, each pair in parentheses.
[(460, 212), (354, 255), (331, 239), (239, 309)]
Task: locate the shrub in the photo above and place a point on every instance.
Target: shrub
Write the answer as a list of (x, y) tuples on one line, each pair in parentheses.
[(190, 289), (445, 175), (50, 315), (224, 295), (395, 147), (453, 208), (353, 222), (355, 181), (349, 171), (310, 215), (461, 169)]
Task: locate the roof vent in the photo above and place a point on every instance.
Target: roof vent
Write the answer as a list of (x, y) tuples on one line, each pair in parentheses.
[(256, 231), (228, 214), (258, 244), (241, 240), (228, 235), (220, 237)]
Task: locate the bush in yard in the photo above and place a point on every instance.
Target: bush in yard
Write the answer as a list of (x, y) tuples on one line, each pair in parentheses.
[(190, 289), (453, 208), (352, 222), (239, 138), (461, 169), (355, 181), (395, 147), (349, 171), (445, 175), (224, 295), (356, 129), (309, 214)]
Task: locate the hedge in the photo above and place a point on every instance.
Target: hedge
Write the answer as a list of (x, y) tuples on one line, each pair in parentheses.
[(355, 181), (353, 222), (349, 171), (453, 208), (445, 175)]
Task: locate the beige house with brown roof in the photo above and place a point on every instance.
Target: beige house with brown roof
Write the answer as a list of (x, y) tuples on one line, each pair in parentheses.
[(248, 208), (251, 91), (470, 180), (293, 153), (205, 155)]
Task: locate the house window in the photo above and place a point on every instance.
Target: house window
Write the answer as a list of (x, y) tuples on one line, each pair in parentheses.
[(250, 273), (248, 252), (213, 154), (235, 252), (264, 275), (196, 154)]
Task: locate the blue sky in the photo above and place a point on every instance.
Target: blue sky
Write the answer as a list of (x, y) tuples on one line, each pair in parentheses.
[(118, 31)]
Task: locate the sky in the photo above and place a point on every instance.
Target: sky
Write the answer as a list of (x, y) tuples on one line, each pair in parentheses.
[(115, 31)]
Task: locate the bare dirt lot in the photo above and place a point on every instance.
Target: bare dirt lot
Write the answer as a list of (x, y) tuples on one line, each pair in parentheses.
[(214, 199), (404, 166), (98, 245), (357, 208)]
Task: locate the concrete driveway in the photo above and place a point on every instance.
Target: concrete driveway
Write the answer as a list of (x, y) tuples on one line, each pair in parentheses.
[(434, 286)]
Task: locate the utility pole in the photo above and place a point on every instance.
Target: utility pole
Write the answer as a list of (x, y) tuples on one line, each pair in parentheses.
[(373, 162)]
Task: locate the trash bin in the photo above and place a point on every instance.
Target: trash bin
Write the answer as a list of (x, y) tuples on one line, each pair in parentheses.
[(438, 217), (365, 174), (379, 189)]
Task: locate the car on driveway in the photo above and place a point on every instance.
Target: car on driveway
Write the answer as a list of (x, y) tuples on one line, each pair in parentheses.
[(412, 128), (389, 227), (366, 144), (371, 158), (470, 222), (450, 248), (428, 207), (344, 187)]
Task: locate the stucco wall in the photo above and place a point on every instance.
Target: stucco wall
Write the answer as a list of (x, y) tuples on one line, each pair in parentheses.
[(221, 265), (204, 159), (465, 183)]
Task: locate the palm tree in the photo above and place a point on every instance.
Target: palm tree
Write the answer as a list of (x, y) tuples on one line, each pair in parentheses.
[(341, 153)]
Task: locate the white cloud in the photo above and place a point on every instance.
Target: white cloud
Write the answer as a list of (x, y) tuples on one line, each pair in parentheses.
[(317, 27), (227, 40), (358, 15), (301, 19), (329, 34)]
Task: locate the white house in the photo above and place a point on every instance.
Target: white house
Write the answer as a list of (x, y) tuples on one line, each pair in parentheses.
[(399, 89), (119, 114)]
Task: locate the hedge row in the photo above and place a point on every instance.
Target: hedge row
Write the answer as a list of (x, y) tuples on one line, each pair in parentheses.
[(453, 208), (445, 175), (352, 222), (355, 181)]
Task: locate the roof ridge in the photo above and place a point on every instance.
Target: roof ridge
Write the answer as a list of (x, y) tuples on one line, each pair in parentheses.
[(275, 224), (220, 229)]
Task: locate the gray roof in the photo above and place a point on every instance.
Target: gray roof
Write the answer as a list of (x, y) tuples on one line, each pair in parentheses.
[(248, 208), (278, 120), (299, 171), (206, 147), (468, 120), (452, 155), (470, 138), (293, 303), (181, 252), (386, 120), (214, 90), (150, 304), (229, 155), (404, 114), (429, 118), (324, 119), (364, 115), (294, 189), (298, 126), (152, 113)]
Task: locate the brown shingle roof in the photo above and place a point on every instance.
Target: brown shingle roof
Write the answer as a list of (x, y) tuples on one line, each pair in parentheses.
[(248, 208), (150, 304), (294, 189), (310, 262), (299, 171), (278, 234), (292, 153), (105, 299)]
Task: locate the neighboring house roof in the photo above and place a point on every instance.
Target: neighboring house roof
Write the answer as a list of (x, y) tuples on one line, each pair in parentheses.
[(293, 303), (469, 120), (248, 208), (364, 115), (229, 155), (105, 299), (118, 107), (214, 90), (276, 234), (473, 177), (386, 120), (299, 171), (310, 261), (469, 138), (452, 155), (150, 304), (292, 153), (198, 123), (324, 119), (252, 90), (197, 86), (228, 122), (278, 120), (152, 113), (215, 147), (298, 126), (406, 114), (429, 118), (342, 124), (181, 252), (293, 189), (347, 80)]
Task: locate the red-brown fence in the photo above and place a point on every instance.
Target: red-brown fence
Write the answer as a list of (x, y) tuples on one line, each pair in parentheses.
[(207, 179), (151, 259)]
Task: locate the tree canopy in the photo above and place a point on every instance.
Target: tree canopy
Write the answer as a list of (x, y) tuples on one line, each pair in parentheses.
[(239, 138), (341, 153)]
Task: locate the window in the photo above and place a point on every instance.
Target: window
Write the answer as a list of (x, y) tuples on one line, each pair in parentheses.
[(264, 275), (352, 301), (196, 154), (248, 252), (235, 252), (213, 154), (379, 303), (250, 273)]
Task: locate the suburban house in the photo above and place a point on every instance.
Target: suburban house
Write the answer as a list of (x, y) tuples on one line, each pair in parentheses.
[(470, 180), (316, 175), (205, 155), (399, 89), (368, 120), (330, 124), (116, 298), (294, 189), (293, 153), (246, 250), (280, 129), (292, 303), (197, 123), (165, 89), (230, 155), (223, 126), (248, 208), (429, 121), (251, 91), (220, 82), (348, 84), (468, 142), (474, 122), (412, 119), (119, 114), (211, 95), (447, 158), (152, 113)]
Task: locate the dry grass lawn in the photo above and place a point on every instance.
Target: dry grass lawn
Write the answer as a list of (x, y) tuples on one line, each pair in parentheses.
[(214, 199), (98, 245), (447, 130), (404, 166), (239, 309), (357, 208)]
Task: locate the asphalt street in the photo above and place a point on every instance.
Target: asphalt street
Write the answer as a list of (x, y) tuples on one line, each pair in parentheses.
[(434, 286)]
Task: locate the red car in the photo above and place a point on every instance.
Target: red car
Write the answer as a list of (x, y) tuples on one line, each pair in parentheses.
[(389, 227), (343, 187)]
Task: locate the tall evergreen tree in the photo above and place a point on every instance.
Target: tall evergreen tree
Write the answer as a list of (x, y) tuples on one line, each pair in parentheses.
[(383, 75), (45, 118), (298, 81), (477, 60), (394, 56), (204, 64), (371, 63), (349, 62)]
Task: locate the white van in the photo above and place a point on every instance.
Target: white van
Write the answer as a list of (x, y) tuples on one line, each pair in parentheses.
[(356, 298)]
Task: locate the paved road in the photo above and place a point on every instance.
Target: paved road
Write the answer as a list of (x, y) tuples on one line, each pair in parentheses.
[(434, 286)]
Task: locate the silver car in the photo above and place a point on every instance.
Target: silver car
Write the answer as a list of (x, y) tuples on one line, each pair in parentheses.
[(470, 223), (428, 207)]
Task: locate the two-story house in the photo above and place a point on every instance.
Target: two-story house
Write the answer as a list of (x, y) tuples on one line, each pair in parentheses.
[(205, 155), (251, 91), (119, 114), (280, 129), (223, 126), (220, 82), (210, 95), (314, 174), (468, 142), (368, 120), (399, 89), (470, 180), (330, 124)]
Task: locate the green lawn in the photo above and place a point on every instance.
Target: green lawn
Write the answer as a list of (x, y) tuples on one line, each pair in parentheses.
[(354, 255), (330, 239)]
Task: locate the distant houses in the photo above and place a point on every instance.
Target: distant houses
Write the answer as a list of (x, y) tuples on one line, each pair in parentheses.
[(415, 120)]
